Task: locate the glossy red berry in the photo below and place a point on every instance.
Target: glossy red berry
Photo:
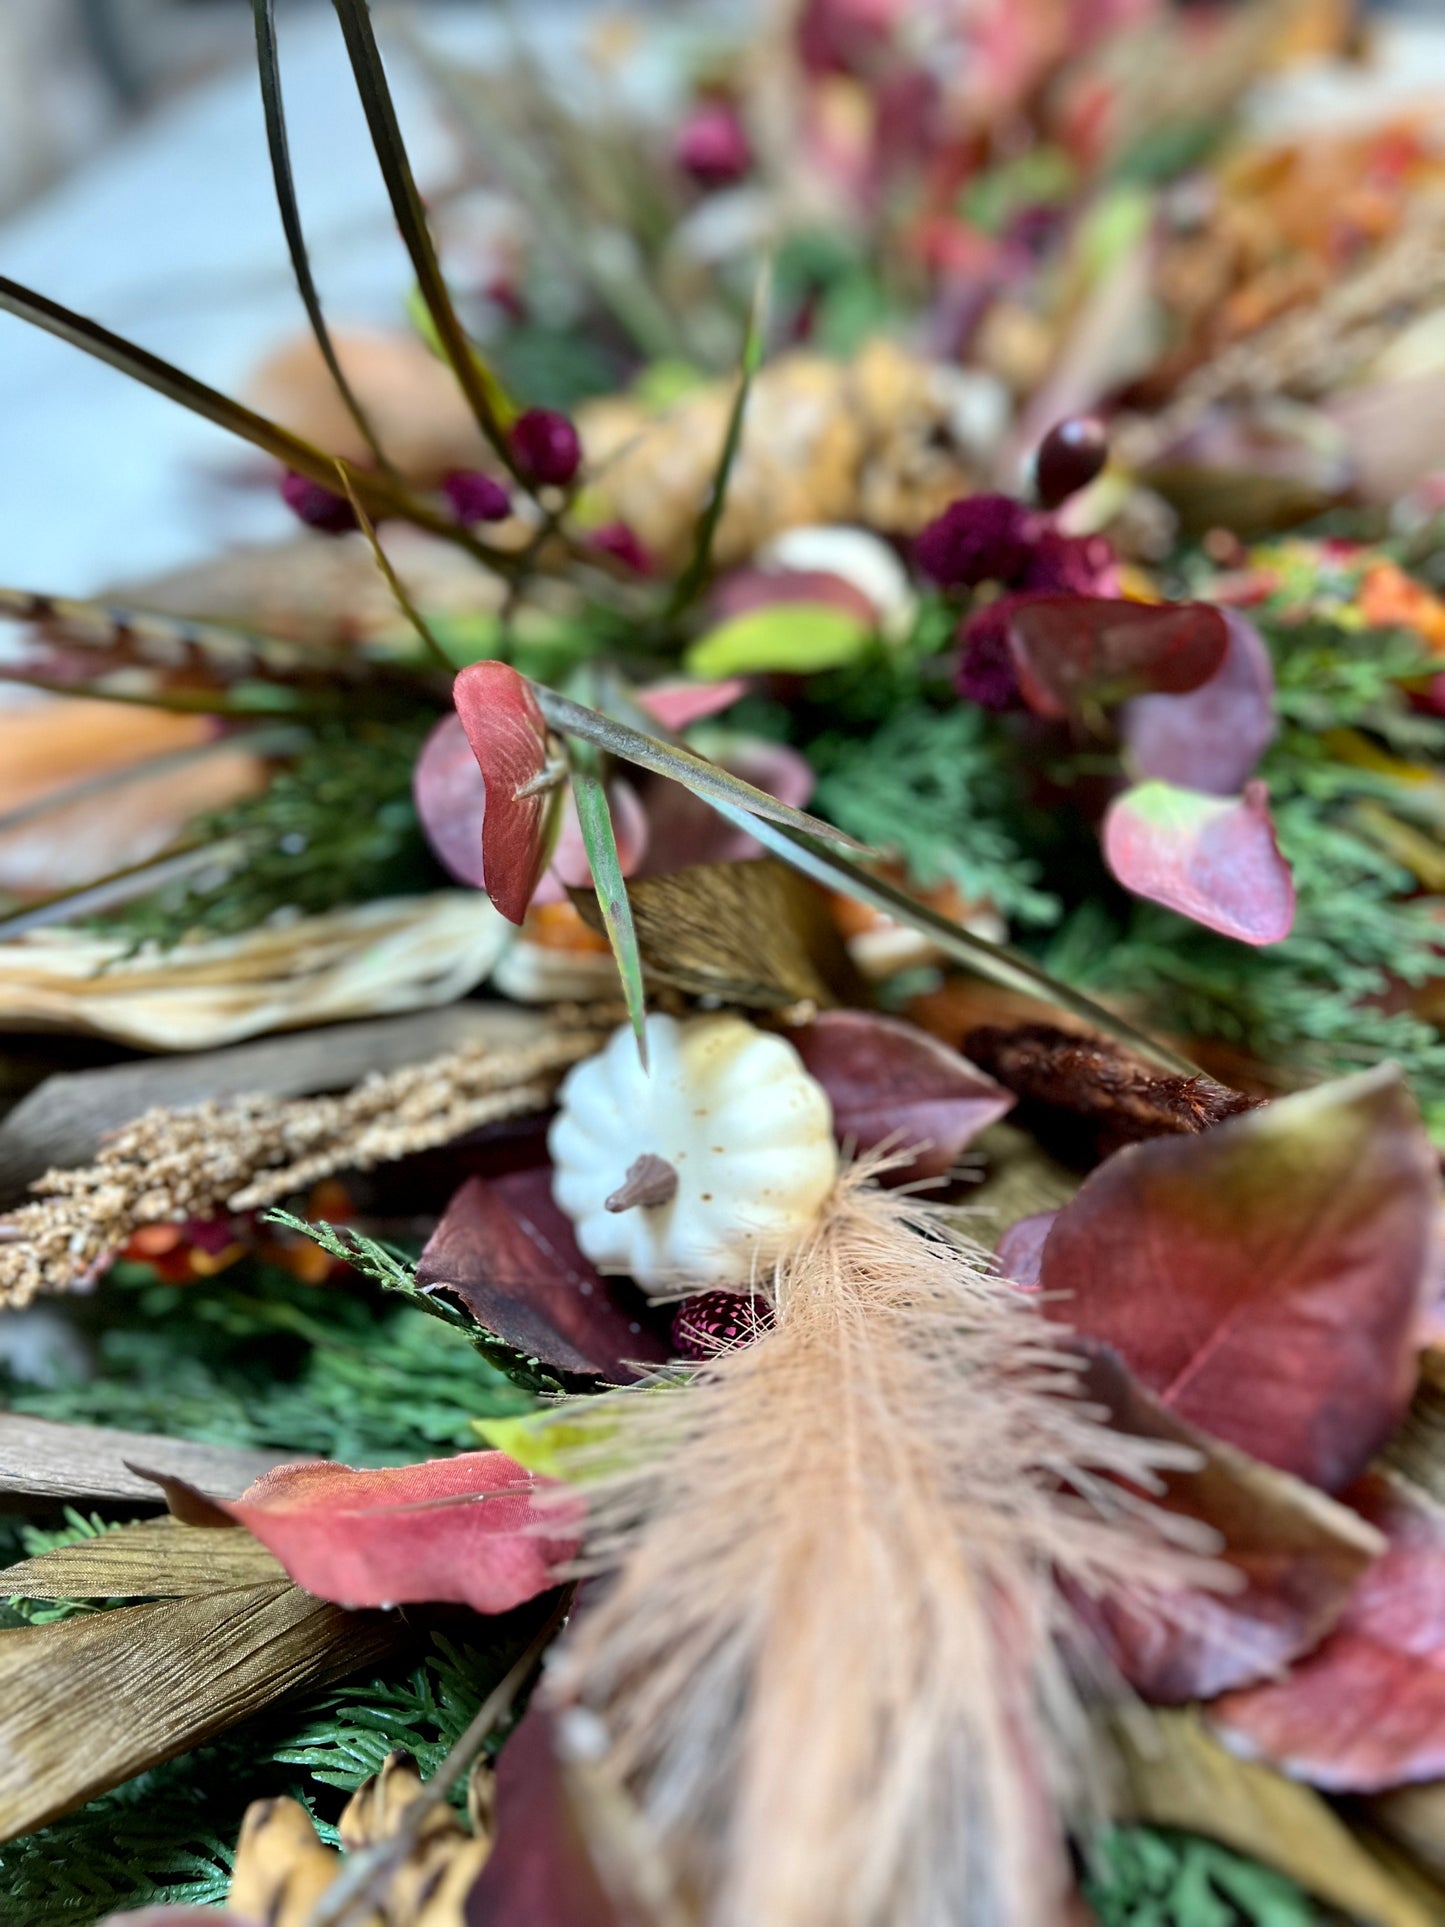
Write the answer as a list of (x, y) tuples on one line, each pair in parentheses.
[(476, 497), (546, 447), (1070, 456)]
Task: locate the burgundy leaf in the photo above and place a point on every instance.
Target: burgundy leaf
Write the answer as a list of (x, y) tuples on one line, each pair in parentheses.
[(1210, 738), (1073, 648), (889, 1081), (465, 1531), (508, 736), (1211, 858), (1366, 1710), (1020, 1251), (506, 1250), (1264, 1278), (1297, 1555), (542, 1871)]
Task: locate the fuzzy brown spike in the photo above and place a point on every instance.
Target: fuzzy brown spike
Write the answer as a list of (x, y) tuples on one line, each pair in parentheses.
[(832, 1659)]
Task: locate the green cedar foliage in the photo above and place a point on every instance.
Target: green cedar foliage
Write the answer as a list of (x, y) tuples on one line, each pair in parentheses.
[(1147, 1878)]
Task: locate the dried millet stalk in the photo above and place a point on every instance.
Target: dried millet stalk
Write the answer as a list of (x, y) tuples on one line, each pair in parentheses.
[(242, 1155)]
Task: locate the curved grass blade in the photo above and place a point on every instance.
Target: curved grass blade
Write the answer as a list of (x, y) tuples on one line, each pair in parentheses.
[(600, 842), (399, 592), (268, 66), (381, 495), (992, 960), (694, 772), (691, 581), (481, 388)]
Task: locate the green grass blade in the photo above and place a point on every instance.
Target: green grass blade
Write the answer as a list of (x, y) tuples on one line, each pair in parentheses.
[(992, 960), (268, 66), (694, 772), (600, 841), (694, 576), (476, 381)]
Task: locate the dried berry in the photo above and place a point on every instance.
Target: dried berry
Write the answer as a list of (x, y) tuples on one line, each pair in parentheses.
[(318, 507), (714, 1321), (981, 538), (712, 145)]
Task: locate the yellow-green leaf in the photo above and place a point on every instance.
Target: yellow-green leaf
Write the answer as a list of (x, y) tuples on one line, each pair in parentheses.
[(798, 638)]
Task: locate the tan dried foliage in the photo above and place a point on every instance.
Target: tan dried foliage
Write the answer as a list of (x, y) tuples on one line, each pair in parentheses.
[(834, 1662)]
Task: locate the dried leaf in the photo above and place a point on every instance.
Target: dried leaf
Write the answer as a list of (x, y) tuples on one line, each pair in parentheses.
[(148, 1559), (1019, 1253), (508, 736), (43, 1459), (1210, 738), (749, 932), (1021, 1180), (1213, 859), (1298, 1555), (509, 1254), (463, 1530), (1263, 1278), (1366, 1710), (1070, 650), (1118, 1098), (889, 1081), (1177, 1776), (88, 1702)]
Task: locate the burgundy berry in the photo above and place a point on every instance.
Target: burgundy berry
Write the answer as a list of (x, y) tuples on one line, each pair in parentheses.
[(1070, 456), (318, 507), (715, 1321), (546, 447), (476, 497), (624, 545), (981, 538), (986, 674), (712, 146)]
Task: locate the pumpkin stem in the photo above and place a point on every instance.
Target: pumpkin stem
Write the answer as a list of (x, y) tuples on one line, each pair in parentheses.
[(650, 1180)]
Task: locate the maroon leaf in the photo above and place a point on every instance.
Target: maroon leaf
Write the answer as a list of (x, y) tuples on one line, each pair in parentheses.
[(1213, 859), (1297, 1554), (1020, 1251), (1074, 648), (506, 1250), (508, 736), (465, 1531), (543, 1870), (1366, 1710), (888, 1080), (1210, 738), (1264, 1278)]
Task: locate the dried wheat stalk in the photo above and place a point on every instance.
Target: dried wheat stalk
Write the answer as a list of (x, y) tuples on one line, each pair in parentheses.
[(242, 1155)]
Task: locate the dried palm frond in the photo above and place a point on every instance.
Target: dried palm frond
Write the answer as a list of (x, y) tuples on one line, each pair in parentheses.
[(835, 1659)]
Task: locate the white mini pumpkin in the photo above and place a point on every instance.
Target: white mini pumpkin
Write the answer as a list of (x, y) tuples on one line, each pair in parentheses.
[(703, 1168)]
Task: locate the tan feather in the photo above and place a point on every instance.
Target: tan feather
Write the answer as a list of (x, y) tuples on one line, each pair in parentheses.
[(834, 1658)]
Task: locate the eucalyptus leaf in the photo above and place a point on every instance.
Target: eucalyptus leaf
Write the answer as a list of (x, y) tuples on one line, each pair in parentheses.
[(800, 638)]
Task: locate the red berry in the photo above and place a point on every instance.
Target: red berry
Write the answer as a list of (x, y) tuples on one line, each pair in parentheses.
[(1070, 456), (712, 146), (318, 507), (476, 497)]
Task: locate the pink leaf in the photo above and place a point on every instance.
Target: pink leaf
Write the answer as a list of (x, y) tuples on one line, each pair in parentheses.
[(464, 1531), (1264, 1278), (1295, 1554), (1212, 737), (749, 589), (506, 1250), (1211, 858), (1020, 1251), (889, 1081), (1070, 649), (450, 797), (569, 868), (1366, 1710), (508, 736), (683, 831), (677, 705)]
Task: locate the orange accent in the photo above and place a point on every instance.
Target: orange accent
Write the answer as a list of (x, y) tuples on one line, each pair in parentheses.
[(1390, 599), (557, 926)]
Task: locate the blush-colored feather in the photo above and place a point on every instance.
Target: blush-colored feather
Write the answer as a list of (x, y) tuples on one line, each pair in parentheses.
[(834, 1660)]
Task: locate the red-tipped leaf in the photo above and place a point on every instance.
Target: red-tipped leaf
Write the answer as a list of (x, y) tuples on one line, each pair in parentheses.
[(508, 736), (1074, 649)]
